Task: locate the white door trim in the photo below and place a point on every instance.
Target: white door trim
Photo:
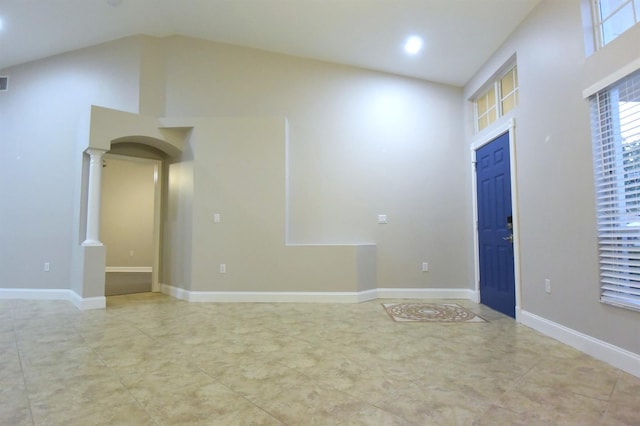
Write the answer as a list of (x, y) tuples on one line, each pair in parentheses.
[(509, 127)]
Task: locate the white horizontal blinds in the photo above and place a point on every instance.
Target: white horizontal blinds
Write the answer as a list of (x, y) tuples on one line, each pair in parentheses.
[(616, 140)]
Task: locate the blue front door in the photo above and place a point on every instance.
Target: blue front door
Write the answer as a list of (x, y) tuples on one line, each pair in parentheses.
[(495, 233)]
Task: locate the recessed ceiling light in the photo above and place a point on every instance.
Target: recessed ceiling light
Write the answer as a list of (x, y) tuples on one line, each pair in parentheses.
[(413, 45)]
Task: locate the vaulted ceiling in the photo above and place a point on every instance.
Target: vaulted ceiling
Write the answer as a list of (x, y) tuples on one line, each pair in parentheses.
[(459, 35)]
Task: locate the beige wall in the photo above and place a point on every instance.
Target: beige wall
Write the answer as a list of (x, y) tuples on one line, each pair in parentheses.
[(361, 144), (555, 175), (238, 172), (127, 211), (178, 225), (45, 117), (617, 59)]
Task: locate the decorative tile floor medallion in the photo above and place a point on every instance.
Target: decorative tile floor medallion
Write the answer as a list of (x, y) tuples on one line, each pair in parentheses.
[(430, 312)]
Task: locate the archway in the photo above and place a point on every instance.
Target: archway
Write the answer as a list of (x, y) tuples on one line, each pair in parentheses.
[(112, 130)]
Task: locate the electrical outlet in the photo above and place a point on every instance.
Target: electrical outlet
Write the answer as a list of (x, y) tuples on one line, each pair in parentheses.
[(382, 219), (547, 285), (425, 266), (223, 268), (47, 266), (216, 218)]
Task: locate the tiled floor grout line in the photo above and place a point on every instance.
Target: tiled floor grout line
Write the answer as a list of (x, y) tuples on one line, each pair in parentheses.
[(24, 379), (339, 361), (242, 396), (115, 374)]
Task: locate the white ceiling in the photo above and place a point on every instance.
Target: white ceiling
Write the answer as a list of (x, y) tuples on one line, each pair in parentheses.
[(459, 35)]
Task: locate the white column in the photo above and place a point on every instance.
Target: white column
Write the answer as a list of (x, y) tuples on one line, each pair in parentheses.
[(93, 198)]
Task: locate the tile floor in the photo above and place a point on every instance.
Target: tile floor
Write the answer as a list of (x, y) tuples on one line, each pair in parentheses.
[(149, 359)]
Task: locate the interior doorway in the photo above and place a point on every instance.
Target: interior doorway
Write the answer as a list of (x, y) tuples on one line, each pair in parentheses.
[(130, 223)]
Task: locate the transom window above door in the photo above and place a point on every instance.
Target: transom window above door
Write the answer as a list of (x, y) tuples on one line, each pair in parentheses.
[(500, 97)]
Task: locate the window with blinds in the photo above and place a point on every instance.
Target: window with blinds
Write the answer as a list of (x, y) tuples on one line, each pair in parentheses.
[(616, 152)]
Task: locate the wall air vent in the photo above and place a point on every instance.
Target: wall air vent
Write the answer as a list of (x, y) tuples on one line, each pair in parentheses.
[(4, 84)]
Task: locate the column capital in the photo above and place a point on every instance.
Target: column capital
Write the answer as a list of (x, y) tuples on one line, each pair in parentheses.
[(95, 152)]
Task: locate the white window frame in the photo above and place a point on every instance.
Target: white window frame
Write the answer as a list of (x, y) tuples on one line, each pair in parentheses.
[(488, 111), (515, 91), (599, 21), (494, 83), (616, 202)]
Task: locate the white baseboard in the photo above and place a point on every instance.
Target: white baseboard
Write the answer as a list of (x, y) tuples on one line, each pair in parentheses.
[(176, 292), (316, 297), (241, 296), (87, 303), (128, 269), (427, 293), (54, 294), (366, 295), (614, 355), (266, 296)]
